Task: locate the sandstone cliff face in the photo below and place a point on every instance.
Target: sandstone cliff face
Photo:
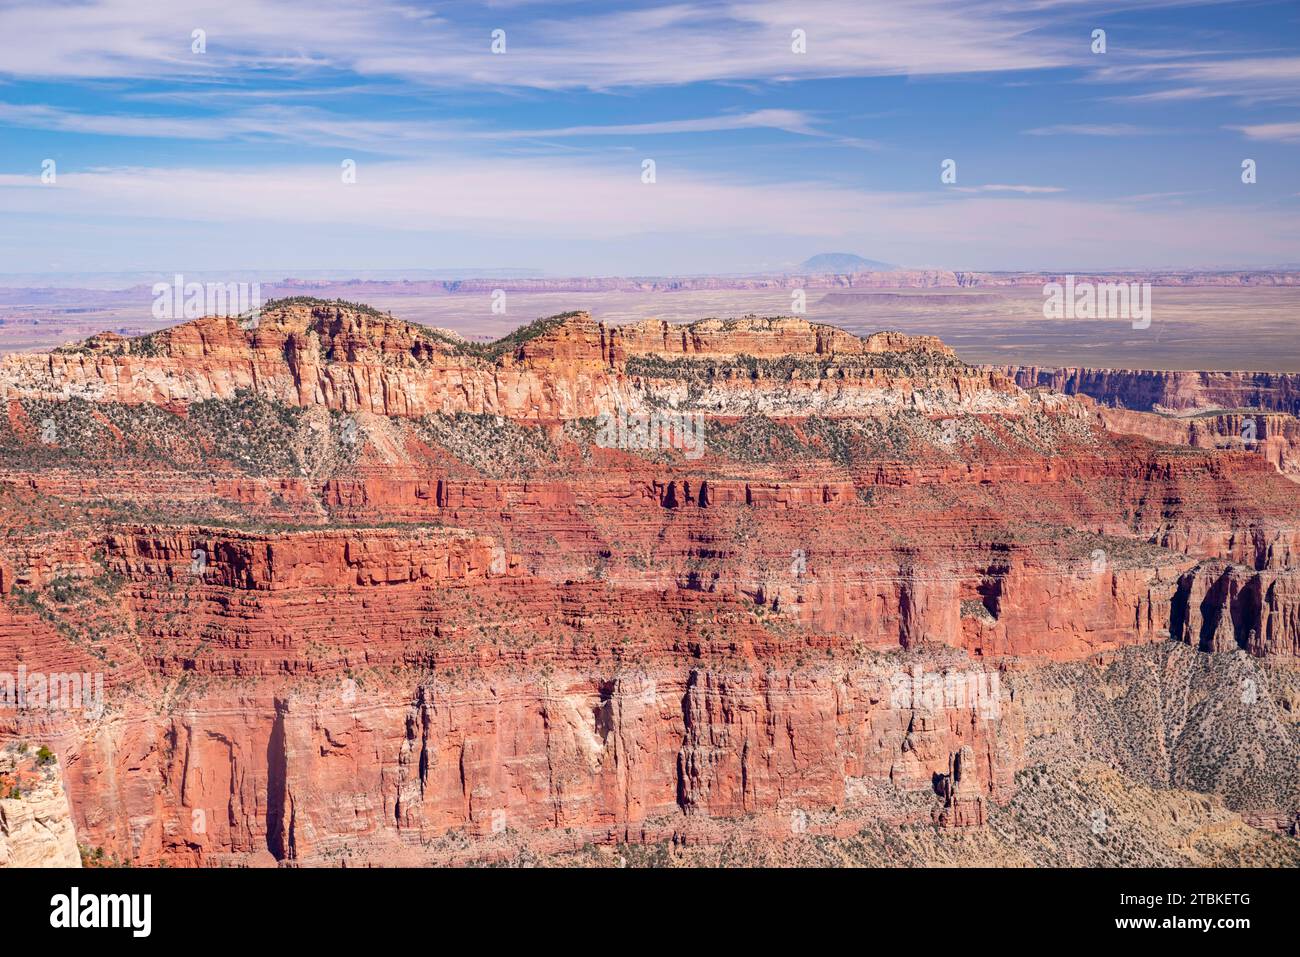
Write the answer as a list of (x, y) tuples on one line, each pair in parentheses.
[(1273, 436), (762, 338), (1254, 410), (362, 592), (336, 358), (1144, 390), (36, 828), (374, 772), (1222, 607)]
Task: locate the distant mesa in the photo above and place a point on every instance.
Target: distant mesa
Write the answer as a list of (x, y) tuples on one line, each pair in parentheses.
[(842, 263)]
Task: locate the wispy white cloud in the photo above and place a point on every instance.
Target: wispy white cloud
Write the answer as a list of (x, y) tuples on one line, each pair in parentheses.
[(42, 117), (1195, 76), (1170, 95), (124, 38), (791, 121), (275, 123), (1007, 188), (565, 48), (1089, 129), (1277, 132), (1157, 197), (382, 136)]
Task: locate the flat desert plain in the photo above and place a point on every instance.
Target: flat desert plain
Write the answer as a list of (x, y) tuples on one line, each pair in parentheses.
[(1199, 327)]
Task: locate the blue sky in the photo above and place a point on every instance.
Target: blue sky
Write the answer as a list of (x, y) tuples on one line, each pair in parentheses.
[(167, 159)]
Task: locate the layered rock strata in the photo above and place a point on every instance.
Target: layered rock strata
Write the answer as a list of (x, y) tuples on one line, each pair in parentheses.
[(362, 591)]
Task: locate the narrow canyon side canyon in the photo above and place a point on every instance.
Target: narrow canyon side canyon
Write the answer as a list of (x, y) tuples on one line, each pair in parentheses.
[(742, 591)]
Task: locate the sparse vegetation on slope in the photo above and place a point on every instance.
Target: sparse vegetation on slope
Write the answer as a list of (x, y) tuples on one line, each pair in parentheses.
[(490, 444), (711, 370), (313, 302), (492, 351)]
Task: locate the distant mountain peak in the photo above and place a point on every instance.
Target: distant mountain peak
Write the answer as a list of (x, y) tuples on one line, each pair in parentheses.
[(841, 263)]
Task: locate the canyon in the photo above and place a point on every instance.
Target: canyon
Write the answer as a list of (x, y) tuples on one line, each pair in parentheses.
[(364, 592), (1147, 390), (1210, 409)]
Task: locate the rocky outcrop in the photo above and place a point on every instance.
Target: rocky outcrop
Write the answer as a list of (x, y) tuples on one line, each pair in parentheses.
[(36, 828), (1145, 390), (1273, 436), (1253, 410), (1222, 607), (335, 357), (762, 338)]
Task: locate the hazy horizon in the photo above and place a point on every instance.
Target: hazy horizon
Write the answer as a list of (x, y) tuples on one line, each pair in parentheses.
[(120, 280)]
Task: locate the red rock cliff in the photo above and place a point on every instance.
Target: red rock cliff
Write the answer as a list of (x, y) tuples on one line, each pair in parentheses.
[(363, 592)]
